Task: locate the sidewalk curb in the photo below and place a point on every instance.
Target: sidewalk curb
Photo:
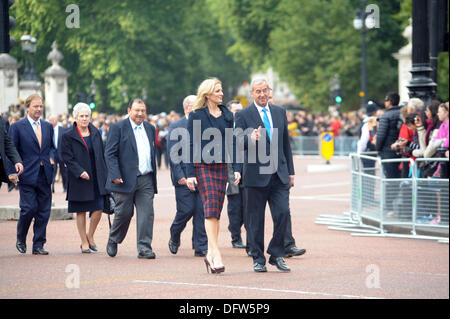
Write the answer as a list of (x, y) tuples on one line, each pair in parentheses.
[(13, 213)]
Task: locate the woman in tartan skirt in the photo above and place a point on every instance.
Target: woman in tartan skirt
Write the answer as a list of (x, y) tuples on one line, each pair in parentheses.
[(208, 168)]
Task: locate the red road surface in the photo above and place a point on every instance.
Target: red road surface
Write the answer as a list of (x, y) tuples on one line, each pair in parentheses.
[(336, 265)]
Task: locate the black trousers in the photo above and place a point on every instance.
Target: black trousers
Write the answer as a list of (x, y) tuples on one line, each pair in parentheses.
[(189, 205), (236, 215), (35, 203), (277, 195)]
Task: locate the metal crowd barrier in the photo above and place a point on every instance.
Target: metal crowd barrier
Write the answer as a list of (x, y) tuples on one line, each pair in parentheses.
[(310, 145), (411, 202)]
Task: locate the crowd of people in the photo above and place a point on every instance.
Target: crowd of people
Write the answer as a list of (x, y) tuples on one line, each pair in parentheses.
[(413, 130), (116, 157), (95, 153)]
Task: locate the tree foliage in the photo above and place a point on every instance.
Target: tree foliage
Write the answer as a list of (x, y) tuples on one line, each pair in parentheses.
[(310, 42), (164, 47)]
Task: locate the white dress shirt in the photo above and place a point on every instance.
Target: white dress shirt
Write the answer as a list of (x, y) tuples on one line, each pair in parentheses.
[(33, 123), (261, 113), (143, 148)]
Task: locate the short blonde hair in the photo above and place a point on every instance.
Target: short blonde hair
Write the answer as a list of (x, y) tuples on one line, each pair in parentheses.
[(205, 88)]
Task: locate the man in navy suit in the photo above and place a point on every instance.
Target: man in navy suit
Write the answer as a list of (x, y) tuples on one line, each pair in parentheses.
[(264, 183), (130, 159), (33, 138), (189, 203)]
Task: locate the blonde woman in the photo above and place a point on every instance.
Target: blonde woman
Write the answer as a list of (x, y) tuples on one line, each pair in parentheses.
[(209, 173)]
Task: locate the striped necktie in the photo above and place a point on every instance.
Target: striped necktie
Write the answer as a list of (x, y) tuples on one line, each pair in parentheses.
[(38, 133)]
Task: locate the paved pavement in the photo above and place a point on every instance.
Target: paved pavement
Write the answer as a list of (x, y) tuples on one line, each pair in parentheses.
[(336, 265)]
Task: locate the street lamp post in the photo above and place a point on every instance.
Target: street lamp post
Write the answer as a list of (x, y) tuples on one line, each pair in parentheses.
[(360, 22), (29, 49), (422, 85)]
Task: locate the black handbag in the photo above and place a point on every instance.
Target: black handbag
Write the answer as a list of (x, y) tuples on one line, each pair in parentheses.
[(109, 206)]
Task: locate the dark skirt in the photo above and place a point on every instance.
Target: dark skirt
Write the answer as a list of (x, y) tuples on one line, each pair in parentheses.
[(212, 183), (87, 206)]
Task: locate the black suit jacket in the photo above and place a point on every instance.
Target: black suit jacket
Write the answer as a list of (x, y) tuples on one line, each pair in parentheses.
[(77, 158), (281, 160), (122, 158), (25, 140), (178, 169), (7, 152), (61, 131)]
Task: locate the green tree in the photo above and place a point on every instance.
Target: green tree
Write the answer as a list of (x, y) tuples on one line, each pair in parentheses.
[(164, 47), (310, 42)]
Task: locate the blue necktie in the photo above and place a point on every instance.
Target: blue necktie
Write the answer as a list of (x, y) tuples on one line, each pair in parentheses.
[(267, 123)]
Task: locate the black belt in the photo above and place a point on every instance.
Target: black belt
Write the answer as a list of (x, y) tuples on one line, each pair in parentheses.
[(140, 175)]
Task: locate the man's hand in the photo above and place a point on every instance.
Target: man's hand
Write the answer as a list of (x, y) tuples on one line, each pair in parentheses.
[(52, 161), (13, 178), (85, 175), (118, 181), (182, 181), (256, 134), (291, 180), (191, 182), (19, 168), (237, 178)]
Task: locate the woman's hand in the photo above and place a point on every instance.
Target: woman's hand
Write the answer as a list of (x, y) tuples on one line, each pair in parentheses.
[(85, 175), (191, 182), (237, 178)]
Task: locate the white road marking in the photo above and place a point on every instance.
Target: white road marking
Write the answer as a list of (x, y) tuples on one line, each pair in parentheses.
[(425, 273), (325, 185), (156, 282)]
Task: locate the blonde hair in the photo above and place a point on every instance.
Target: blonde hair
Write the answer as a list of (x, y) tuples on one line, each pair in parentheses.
[(205, 88)]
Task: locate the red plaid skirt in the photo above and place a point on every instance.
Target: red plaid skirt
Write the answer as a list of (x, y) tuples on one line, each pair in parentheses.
[(212, 183)]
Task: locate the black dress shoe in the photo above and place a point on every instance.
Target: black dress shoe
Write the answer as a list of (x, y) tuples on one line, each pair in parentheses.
[(111, 249), (294, 251), (238, 244), (200, 253), (39, 251), (279, 262), (257, 267), (173, 246), (21, 247), (147, 255)]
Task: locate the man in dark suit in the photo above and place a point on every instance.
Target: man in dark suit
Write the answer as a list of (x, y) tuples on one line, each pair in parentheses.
[(266, 183), (8, 152), (189, 203), (130, 159), (33, 138), (290, 249), (58, 132)]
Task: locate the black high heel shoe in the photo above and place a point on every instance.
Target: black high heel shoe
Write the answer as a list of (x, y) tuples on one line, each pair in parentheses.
[(208, 266), (91, 247), (220, 269), (85, 251)]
